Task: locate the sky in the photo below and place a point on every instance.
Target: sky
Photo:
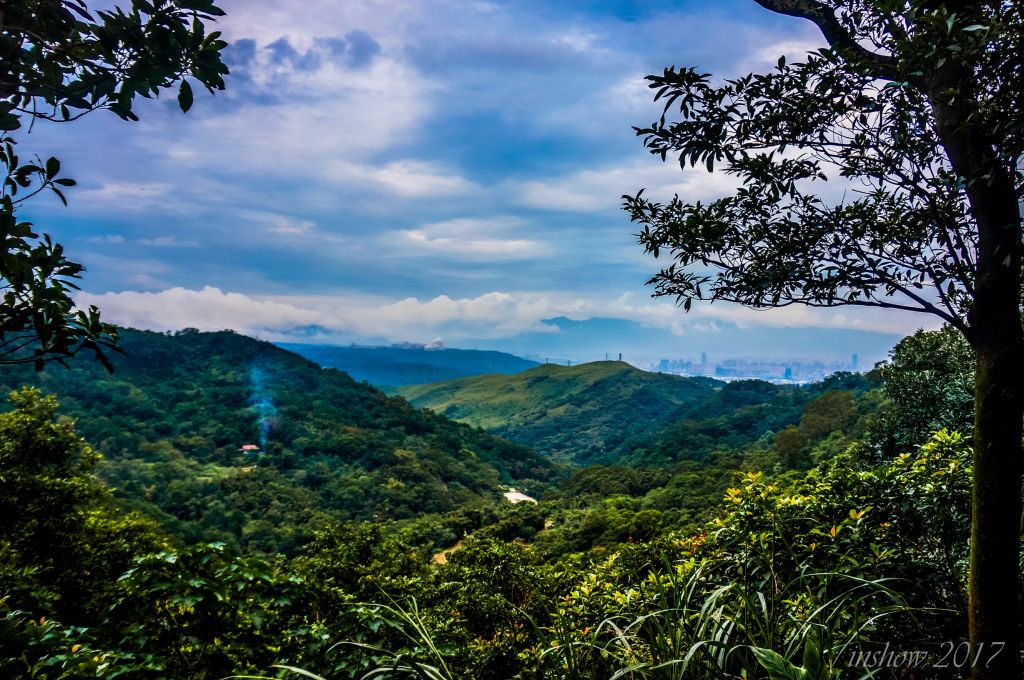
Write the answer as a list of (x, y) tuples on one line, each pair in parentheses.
[(392, 170)]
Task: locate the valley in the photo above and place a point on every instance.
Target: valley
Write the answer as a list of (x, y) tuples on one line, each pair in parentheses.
[(174, 419), (248, 467)]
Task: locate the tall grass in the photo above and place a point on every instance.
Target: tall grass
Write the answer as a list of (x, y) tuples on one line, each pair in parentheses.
[(423, 659), (693, 628), (683, 626)]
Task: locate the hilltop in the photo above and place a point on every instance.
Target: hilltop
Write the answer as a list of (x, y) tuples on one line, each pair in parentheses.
[(582, 413), (175, 418)]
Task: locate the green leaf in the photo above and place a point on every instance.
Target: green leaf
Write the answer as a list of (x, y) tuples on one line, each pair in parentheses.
[(185, 96), (9, 121), (777, 666), (814, 664), (299, 671)]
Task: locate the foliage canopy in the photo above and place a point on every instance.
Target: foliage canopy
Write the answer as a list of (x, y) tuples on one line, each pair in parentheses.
[(914, 110), (59, 60)]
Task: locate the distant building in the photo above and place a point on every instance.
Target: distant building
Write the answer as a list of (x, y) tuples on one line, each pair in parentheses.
[(408, 345), (853, 363), (249, 448)]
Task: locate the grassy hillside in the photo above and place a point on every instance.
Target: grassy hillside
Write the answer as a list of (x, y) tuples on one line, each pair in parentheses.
[(174, 417), (582, 413), (398, 366), (610, 413)]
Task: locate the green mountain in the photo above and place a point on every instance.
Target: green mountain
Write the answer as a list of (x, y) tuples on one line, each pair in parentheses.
[(610, 413), (220, 436), (585, 413), (398, 366)]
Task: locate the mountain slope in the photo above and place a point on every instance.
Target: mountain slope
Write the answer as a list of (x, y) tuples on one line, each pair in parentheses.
[(583, 413), (398, 366), (173, 420)]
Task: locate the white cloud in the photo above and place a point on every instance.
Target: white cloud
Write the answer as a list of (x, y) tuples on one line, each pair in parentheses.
[(580, 41), (793, 48), (106, 239), (289, 228), (328, 113), (795, 316), (268, 20), (485, 247), (126, 195), (417, 178), (491, 315), (169, 242), (276, 223), (207, 309), (600, 190), (478, 239)]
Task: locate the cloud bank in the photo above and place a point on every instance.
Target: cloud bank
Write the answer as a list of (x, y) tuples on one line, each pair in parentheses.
[(492, 315)]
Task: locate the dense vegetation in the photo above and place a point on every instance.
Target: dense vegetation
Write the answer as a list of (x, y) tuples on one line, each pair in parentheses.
[(916, 108), (173, 418), (826, 549), (390, 367), (582, 413), (653, 453), (610, 413)]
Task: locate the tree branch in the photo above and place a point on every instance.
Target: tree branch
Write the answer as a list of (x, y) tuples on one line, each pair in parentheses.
[(840, 39)]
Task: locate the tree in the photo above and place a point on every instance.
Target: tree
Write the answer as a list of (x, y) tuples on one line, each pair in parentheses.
[(57, 525), (59, 61), (928, 384), (915, 108)]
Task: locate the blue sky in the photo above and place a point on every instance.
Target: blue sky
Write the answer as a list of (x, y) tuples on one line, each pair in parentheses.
[(410, 170)]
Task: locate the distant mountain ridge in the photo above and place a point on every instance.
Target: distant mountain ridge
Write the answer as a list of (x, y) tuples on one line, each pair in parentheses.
[(583, 413), (399, 366)]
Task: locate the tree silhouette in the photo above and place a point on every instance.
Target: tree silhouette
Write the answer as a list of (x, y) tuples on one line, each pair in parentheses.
[(915, 109)]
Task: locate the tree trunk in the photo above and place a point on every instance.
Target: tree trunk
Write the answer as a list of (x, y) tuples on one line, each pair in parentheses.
[(998, 340), (994, 577), (996, 505), (994, 332), (998, 412)]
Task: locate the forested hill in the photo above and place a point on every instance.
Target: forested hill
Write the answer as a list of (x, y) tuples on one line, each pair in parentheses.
[(173, 419), (582, 413), (608, 412), (398, 366)]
